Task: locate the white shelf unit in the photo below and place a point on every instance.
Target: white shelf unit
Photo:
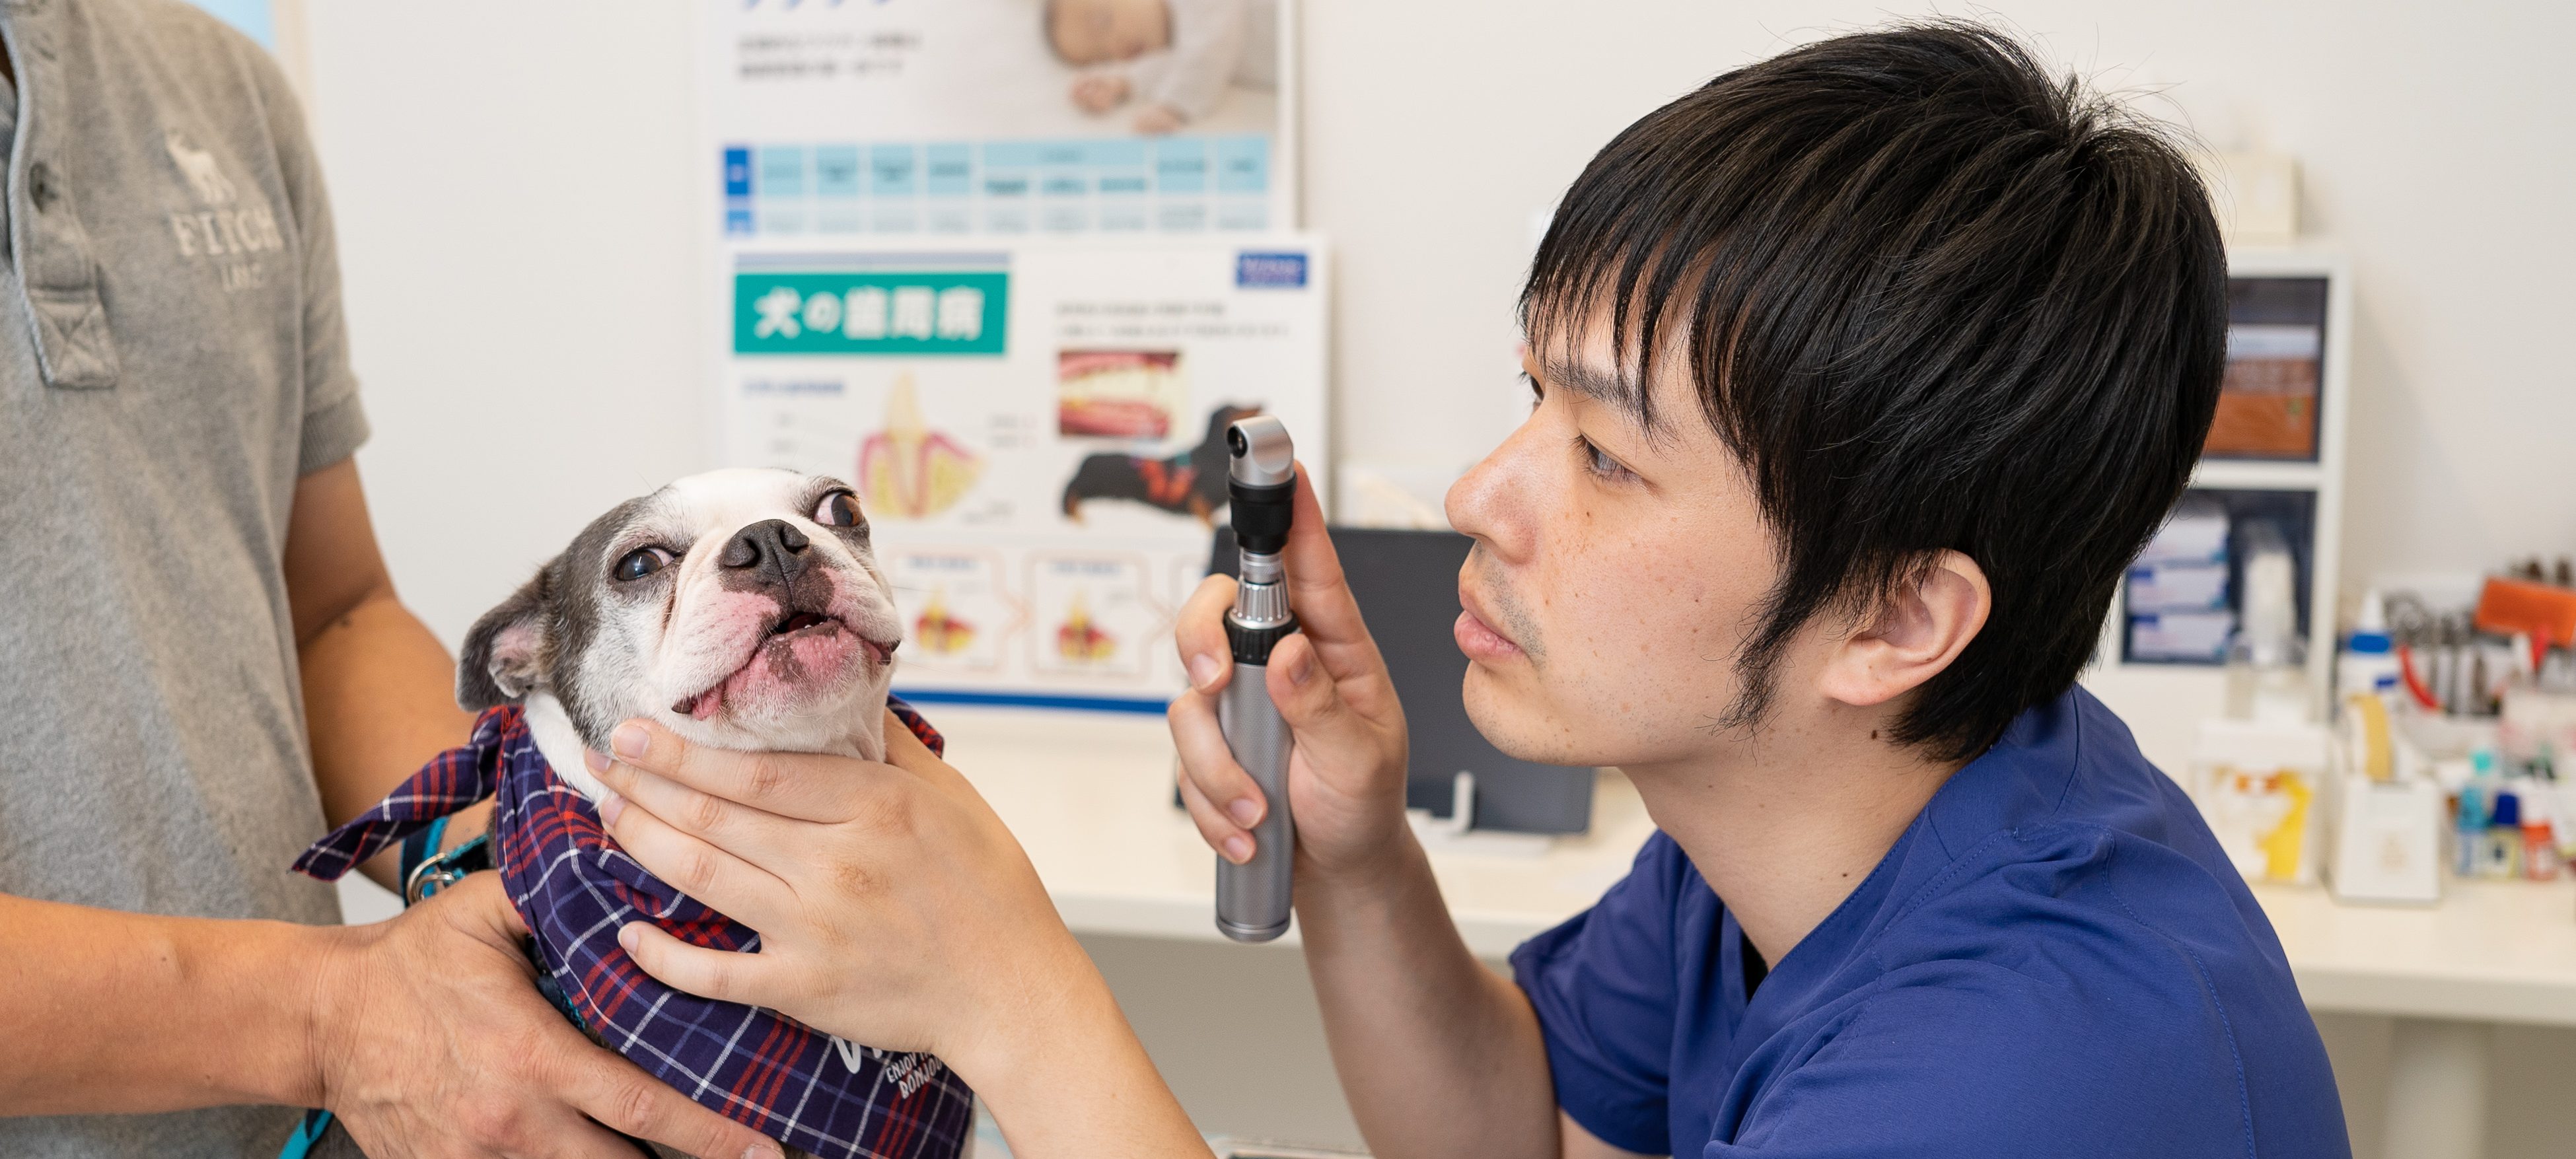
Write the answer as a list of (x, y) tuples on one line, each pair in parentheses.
[(2164, 703)]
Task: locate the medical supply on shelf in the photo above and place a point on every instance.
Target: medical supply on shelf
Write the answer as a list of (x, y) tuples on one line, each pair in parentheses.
[(2386, 840), (2177, 591), (2368, 662), (2500, 845), (2469, 820), (2540, 860), (2257, 784), (2267, 660)]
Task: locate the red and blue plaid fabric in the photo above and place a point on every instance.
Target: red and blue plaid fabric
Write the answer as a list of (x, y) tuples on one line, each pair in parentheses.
[(575, 888)]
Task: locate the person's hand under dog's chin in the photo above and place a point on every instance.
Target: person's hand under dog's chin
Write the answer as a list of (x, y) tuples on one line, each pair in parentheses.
[(894, 907)]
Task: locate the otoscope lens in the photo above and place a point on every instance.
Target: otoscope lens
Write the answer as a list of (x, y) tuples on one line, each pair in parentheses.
[(1234, 441)]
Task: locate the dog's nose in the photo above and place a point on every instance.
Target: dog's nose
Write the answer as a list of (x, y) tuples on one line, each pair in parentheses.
[(772, 546)]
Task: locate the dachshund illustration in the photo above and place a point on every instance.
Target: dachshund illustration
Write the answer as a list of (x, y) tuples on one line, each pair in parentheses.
[(1191, 483)]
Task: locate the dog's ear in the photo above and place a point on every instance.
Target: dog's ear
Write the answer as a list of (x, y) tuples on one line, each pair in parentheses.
[(507, 652)]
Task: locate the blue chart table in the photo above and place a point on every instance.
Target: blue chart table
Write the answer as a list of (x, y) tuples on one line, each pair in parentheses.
[(1070, 186)]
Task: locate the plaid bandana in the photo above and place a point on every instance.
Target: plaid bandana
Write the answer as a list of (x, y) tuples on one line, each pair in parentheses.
[(575, 887)]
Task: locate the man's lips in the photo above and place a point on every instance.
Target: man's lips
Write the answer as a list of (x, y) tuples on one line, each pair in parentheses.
[(1476, 635), (799, 625)]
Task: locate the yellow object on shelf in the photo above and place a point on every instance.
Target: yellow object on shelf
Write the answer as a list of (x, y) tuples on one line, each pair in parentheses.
[(2257, 783)]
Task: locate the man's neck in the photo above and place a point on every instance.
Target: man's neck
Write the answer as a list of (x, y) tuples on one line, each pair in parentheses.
[(1786, 824)]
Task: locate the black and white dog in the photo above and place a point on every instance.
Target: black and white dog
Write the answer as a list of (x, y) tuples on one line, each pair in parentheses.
[(743, 609)]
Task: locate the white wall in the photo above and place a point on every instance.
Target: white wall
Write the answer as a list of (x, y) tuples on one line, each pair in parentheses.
[(518, 187), (2437, 148)]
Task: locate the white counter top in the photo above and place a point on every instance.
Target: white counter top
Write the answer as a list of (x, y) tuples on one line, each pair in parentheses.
[(1090, 796)]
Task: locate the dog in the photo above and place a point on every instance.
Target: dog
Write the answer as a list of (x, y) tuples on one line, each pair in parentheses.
[(1191, 483), (743, 610)]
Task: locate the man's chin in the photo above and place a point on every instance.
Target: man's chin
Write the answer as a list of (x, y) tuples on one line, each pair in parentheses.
[(1517, 718)]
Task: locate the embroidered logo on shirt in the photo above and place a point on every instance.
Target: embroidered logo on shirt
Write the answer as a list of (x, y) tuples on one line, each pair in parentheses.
[(224, 227), (198, 166)]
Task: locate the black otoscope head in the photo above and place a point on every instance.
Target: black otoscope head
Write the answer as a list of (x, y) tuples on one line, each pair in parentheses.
[(1261, 482)]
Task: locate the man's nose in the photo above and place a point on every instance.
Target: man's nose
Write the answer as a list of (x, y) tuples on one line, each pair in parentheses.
[(772, 547), (1489, 502)]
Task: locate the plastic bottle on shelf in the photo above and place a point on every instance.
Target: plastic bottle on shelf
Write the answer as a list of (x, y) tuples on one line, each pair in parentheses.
[(2500, 847), (2539, 841), (2368, 661), (2469, 820)]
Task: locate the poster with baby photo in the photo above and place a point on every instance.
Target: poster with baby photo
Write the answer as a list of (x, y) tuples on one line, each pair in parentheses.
[(1063, 118)]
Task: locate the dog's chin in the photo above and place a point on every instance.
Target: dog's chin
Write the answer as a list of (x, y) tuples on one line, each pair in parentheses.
[(793, 683)]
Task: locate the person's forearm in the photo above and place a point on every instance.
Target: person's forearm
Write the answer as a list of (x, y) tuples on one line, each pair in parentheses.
[(136, 1013), (1437, 1055), (1066, 1078), (379, 702)]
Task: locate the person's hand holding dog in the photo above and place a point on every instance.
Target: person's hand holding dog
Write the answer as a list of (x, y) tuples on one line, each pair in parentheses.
[(895, 910), (432, 1042)]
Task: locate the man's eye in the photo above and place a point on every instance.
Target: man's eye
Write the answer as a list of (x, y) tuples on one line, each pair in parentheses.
[(1595, 461), (838, 509), (641, 562)]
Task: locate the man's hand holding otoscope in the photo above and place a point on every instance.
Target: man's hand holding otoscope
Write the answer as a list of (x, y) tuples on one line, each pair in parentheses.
[(1292, 636)]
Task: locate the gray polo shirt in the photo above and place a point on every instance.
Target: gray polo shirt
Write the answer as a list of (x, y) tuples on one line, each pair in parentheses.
[(171, 361)]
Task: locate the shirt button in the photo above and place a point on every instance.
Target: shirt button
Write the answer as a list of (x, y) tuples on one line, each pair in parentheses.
[(40, 185)]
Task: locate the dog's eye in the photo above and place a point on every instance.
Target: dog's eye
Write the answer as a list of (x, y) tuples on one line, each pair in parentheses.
[(838, 509), (641, 562)]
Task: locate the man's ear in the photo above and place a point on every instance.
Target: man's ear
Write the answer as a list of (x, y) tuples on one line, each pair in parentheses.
[(1919, 630), (507, 652)]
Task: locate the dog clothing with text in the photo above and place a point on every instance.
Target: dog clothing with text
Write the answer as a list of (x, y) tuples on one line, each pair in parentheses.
[(574, 887)]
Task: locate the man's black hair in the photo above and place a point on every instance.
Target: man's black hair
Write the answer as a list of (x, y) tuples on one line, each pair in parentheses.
[(1932, 299)]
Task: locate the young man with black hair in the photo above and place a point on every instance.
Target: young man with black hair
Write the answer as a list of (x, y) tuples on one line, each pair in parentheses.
[(1859, 376)]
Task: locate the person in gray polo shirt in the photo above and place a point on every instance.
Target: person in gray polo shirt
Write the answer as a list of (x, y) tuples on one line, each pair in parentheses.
[(204, 663)]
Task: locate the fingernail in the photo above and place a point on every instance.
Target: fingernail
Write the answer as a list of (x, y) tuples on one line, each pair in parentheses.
[(597, 760), (629, 740), (1301, 668), (628, 938), (1238, 849), (762, 1151), (1203, 670), (610, 805), (1246, 811)]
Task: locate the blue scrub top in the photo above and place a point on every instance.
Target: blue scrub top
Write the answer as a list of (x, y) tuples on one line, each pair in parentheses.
[(2056, 959)]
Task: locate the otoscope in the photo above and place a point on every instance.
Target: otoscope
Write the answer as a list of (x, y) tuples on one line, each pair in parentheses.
[(1252, 898)]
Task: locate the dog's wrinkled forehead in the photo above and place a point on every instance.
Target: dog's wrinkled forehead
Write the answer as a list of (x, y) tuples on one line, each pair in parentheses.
[(729, 500), (713, 504)]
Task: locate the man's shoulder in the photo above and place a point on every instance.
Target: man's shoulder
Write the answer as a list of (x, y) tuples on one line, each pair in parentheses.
[(183, 41), (176, 18)]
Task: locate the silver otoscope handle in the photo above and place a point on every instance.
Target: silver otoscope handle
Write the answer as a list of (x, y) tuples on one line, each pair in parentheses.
[(1252, 899)]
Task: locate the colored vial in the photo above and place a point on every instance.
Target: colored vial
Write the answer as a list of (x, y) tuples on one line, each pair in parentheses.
[(2500, 848), (2539, 850), (2469, 828)]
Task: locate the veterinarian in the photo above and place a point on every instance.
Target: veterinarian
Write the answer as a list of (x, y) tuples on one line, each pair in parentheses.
[(203, 660), (1858, 377)]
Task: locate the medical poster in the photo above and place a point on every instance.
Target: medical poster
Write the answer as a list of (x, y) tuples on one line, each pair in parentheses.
[(1035, 433), (1061, 118)]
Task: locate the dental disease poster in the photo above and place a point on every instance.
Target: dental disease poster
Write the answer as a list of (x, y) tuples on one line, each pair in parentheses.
[(1036, 435), (1011, 267)]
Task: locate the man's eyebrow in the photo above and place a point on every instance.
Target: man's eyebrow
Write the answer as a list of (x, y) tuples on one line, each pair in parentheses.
[(1609, 386)]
